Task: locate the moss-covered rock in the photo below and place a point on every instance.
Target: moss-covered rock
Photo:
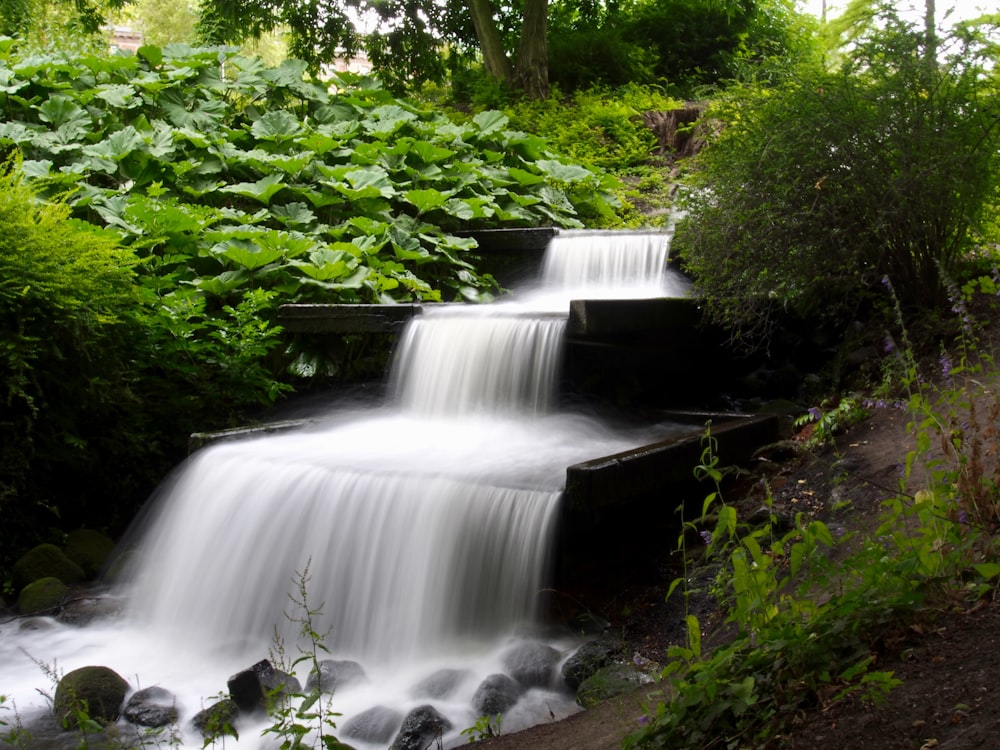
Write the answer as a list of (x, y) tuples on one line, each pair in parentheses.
[(45, 561), (89, 549), (609, 681), (94, 692), (41, 596)]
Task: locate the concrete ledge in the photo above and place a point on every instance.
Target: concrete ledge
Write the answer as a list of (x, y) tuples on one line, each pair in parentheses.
[(636, 474), (528, 240), (346, 318), (611, 317)]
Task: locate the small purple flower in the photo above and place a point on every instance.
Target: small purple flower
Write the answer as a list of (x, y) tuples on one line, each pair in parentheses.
[(886, 283), (962, 517), (815, 413), (706, 537), (888, 345), (945, 365), (643, 720)]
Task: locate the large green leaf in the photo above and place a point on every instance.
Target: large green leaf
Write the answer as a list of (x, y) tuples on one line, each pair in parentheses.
[(277, 126), (490, 122), (426, 200), (246, 253), (262, 190)]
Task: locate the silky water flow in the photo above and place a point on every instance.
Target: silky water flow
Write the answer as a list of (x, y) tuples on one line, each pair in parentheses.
[(419, 530)]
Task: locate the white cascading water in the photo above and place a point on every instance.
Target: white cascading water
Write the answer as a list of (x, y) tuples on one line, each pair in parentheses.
[(425, 525)]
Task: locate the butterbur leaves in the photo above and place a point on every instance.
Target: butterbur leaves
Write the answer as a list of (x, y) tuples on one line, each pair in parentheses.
[(262, 178)]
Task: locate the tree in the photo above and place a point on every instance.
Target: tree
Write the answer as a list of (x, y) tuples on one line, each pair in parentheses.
[(816, 191), (407, 40)]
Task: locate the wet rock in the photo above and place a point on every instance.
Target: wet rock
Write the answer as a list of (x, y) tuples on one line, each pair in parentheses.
[(531, 663), (85, 610), (335, 674), (421, 727), (96, 692), (43, 595), (89, 549), (497, 694), (609, 681), (376, 725), (152, 707), (440, 684), (254, 689), (45, 561), (587, 660), (217, 720)]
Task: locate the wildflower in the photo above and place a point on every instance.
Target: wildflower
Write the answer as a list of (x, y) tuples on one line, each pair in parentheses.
[(945, 365), (886, 283), (962, 517), (815, 413), (706, 536), (643, 720), (888, 345)]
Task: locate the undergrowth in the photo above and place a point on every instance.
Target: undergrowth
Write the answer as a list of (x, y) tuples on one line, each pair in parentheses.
[(812, 614)]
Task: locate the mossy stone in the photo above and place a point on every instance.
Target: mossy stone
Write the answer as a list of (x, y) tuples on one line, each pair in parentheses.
[(41, 595), (608, 682), (97, 692), (89, 549), (45, 561)]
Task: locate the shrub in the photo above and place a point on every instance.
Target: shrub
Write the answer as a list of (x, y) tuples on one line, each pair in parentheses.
[(818, 189)]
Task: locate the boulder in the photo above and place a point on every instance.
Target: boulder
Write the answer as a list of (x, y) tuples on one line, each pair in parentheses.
[(152, 707), (43, 595), (586, 661), (531, 663), (497, 694), (45, 561), (94, 692), (375, 726), (610, 681), (89, 549), (441, 684), (335, 674), (421, 727), (256, 688), (217, 720)]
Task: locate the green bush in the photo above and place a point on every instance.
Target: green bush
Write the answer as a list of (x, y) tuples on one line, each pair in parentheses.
[(65, 291), (817, 190)]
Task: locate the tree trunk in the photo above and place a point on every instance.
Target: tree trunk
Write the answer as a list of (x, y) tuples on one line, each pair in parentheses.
[(494, 57), (533, 50)]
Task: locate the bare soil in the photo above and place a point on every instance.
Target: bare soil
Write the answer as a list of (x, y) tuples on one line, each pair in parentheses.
[(949, 666)]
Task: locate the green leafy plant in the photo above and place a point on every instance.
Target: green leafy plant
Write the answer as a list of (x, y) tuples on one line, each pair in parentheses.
[(485, 727), (304, 720), (807, 197)]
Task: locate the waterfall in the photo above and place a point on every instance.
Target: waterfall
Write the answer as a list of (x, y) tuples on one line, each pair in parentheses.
[(421, 529)]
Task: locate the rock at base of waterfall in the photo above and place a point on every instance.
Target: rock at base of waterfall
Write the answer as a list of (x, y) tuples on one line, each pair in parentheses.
[(496, 695), (421, 727), (254, 689), (96, 693), (587, 660), (441, 684), (334, 674), (531, 663), (376, 725), (152, 707)]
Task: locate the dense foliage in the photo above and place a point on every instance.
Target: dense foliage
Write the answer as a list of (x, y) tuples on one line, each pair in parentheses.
[(818, 189)]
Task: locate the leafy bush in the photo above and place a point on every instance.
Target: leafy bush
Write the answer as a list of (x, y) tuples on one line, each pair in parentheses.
[(596, 126), (818, 189), (66, 289), (233, 176)]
